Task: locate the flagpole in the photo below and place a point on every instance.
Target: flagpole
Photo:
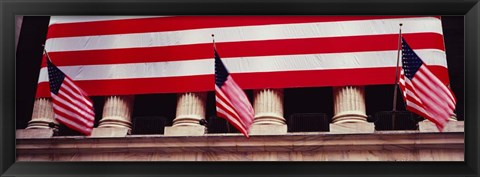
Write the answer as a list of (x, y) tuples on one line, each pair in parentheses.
[(213, 37), (46, 53), (396, 76)]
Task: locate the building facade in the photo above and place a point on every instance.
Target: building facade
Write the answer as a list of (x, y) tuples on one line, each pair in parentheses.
[(350, 137), (191, 132)]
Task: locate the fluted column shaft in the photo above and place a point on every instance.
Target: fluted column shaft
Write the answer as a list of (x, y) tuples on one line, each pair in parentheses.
[(268, 106), (117, 112), (349, 104), (42, 114), (190, 109)]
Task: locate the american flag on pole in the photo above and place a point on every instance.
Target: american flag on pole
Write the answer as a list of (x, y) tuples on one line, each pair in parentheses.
[(128, 55), (231, 102), (71, 104), (424, 93)]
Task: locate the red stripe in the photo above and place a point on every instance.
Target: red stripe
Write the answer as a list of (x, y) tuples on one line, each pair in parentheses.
[(436, 122), (235, 125), (239, 100), (85, 108), (414, 101), (77, 92), (232, 119), (232, 114), (424, 115), (77, 120), (433, 109), (288, 79), (82, 130), (246, 49), (88, 118), (434, 91), (227, 104), (187, 22)]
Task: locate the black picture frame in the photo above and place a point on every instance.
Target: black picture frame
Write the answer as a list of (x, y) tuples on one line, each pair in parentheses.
[(469, 8)]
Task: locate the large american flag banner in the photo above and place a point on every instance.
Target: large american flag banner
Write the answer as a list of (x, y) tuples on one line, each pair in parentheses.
[(423, 92), (71, 104), (231, 102), (124, 55)]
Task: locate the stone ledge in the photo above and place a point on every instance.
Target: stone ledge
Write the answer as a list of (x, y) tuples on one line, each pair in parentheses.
[(452, 126), (348, 128), (34, 133), (268, 129), (185, 131), (297, 142), (110, 132)]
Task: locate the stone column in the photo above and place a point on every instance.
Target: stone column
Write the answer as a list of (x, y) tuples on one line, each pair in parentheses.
[(190, 110), (349, 109), (117, 116), (268, 106), (42, 114), (349, 104)]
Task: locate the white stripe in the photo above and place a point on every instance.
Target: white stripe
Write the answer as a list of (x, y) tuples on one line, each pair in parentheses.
[(73, 115), (239, 100), (430, 104), (246, 33), (230, 109), (428, 88), (435, 88), (69, 122), (76, 94), (74, 107), (412, 96), (85, 108), (243, 65), (69, 83), (232, 120), (76, 19), (222, 94), (410, 93), (420, 109), (417, 107), (434, 78)]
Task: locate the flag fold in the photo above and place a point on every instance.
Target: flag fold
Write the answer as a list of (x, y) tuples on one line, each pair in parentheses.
[(71, 104), (424, 93), (231, 102)]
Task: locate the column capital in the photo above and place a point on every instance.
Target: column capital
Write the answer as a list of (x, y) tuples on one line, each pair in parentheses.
[(268, 106), (191, 107), (117, 112), (42, 114), (349, 104)]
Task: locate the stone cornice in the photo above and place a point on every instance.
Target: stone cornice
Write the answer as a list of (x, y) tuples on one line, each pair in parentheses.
[(292, 142)]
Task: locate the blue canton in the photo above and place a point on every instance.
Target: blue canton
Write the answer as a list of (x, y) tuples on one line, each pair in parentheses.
[(55, 76), (410, 60), (221, 72)]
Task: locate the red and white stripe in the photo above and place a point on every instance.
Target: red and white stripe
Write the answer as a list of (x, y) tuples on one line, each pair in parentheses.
[(428, 97), (73, 108), (233, 105), (112, 55)]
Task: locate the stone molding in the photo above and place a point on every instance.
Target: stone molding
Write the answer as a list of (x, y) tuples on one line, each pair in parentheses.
[(292, 142)]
